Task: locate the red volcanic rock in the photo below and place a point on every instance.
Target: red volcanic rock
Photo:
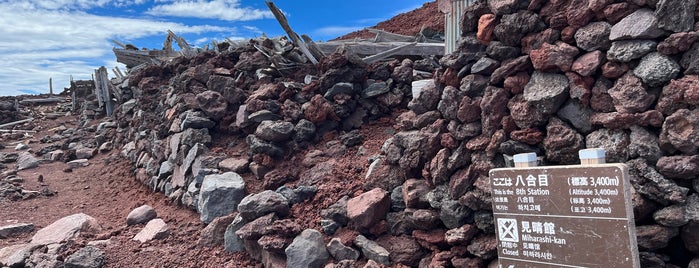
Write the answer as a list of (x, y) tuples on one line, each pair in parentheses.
[(486, 25), (558, 57)]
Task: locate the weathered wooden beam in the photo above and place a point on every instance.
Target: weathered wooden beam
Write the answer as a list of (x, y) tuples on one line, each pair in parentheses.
[(387, 53), (313, 47), (184, 46), (384, 36), (369, 48), (102, 87), (46, 100), (16, 122), (120, 44), (294, 37), (16, 130)]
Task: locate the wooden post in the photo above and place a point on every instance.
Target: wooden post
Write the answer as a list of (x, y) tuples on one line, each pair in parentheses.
[(525, 160), (50, 87), (102, 90), (592, 156), (294, 37)]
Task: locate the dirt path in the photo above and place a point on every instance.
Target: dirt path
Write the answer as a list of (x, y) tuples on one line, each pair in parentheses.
[(107, 190)]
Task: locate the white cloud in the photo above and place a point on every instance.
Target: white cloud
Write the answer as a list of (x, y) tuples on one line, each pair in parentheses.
[(40, 41), (228, 10)]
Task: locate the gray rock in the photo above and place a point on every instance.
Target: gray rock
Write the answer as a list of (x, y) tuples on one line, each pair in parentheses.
[(85, 153), (614, 142), (196, 151), (212, 103), (26, 160), (679, 167), (680, 132), (341, 252), (448, 106), (426, 96), (690, 236), (513, 27), (546, 91), (485, 66), (341, 88), (397, 202), (64, 229), (649, 183), (305, 130), (259, 146), (375, 89), (189, 137), (21, 147), (193, 120), (500, 7), (644, 144), (329, 226), (640, 24), (672, 216), (690, 60), (14, 229), (352, 138), (593, 36), (691, 208), (154, 229), (577, 115), (676, 15), (453, 214), (256, 205), (220, 195), (299, 194), (372, 250), (501, 52), (16, 256), (142, 214), (165, 170), (307, 250), (87, 257), (628, 50), (275, 131), (337, 212), (652, 237), (656, 69), (231, 241)]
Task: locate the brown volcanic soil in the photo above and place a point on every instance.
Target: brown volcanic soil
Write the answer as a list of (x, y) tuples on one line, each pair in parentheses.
[(107, 190), (410, 23)]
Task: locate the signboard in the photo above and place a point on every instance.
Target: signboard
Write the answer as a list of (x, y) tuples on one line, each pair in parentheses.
[(565, 216)]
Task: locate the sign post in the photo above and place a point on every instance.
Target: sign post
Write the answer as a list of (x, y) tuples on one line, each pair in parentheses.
[(564, 216)]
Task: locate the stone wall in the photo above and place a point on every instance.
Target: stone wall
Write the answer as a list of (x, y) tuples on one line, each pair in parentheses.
[(553, 77), (550, 77)]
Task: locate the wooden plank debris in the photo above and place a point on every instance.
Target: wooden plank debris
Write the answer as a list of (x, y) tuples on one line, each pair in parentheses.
[(368, 48), (104, 96), (46, 100), (294, 37), (387, 53), (16, 122)]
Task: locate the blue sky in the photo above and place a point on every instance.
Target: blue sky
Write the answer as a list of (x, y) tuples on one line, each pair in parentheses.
[(59, 38)]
